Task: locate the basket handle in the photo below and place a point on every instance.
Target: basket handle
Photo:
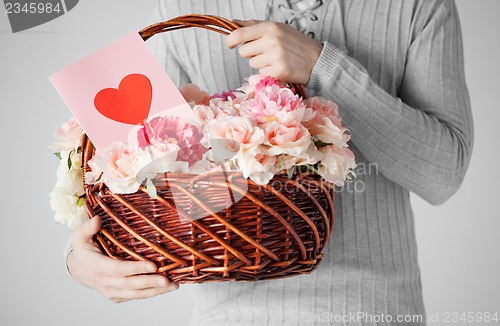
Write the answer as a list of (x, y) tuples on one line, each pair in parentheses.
[(212, 23)]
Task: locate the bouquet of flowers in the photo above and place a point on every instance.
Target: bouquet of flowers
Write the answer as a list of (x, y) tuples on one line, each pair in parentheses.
[(260, 129)]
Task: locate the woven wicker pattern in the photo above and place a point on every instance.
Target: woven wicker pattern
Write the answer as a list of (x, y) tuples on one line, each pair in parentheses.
[(255, 232)]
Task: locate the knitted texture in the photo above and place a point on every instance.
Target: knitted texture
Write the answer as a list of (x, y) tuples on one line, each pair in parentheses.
[(395, 68)]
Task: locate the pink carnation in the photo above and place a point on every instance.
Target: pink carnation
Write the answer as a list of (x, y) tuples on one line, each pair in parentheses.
[(205, 113), (257, 83), (171, 134), (265, 82), (253, 80), (225, 95), (275, 104)]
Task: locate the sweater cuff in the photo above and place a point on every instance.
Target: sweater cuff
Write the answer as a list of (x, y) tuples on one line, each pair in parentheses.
[(324, 68)]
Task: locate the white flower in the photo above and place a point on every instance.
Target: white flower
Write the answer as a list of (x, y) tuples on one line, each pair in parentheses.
[(62, 203), (79, 216), (68, 208), (70, 178)]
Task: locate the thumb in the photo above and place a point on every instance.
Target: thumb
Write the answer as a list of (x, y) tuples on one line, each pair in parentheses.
[(245, 23), (85, 232)]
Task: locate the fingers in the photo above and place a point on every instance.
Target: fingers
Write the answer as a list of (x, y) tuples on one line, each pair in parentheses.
[(118, 280), (85, 232), (268, 71), (127, 268), (253, 48), (276, 49), (122, 289), (88, 265), (119, 296), (250, 32), (250, 22), (141, 282), (102, 265), (259, 62)]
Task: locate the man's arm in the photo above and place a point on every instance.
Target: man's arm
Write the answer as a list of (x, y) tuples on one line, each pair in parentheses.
[(423, 139)]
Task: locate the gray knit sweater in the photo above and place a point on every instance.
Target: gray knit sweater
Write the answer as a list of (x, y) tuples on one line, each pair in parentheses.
[(395, 68)]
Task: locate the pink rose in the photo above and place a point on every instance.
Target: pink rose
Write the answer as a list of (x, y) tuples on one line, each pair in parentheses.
[(119, 167), (123, 170), (337, 164), (325, 130), (291, 138), (323, 107), (193, 93), (239, 129), (68, 137)]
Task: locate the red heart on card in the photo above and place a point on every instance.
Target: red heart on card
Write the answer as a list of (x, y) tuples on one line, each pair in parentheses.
[(130, 103)]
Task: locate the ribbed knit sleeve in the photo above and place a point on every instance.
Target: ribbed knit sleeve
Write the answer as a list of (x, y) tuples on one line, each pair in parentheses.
[(422, 139)]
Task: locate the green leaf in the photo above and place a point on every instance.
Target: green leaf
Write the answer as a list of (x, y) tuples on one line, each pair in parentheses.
[(81, 201), (70, 164), (320, 144), (282, 162), (290, 172), (311, 168), (151, 189), (58, 155), (99, 178)]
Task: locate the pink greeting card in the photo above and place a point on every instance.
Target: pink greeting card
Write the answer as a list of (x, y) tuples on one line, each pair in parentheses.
[(111, 91)]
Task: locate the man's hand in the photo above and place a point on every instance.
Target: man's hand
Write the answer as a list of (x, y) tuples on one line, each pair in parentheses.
[(276, 49), (120, 281)]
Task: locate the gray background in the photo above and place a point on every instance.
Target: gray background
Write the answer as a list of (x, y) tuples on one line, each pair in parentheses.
[(458, 241)]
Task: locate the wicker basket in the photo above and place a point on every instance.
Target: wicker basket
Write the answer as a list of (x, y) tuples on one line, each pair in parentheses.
[(273, 231)]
